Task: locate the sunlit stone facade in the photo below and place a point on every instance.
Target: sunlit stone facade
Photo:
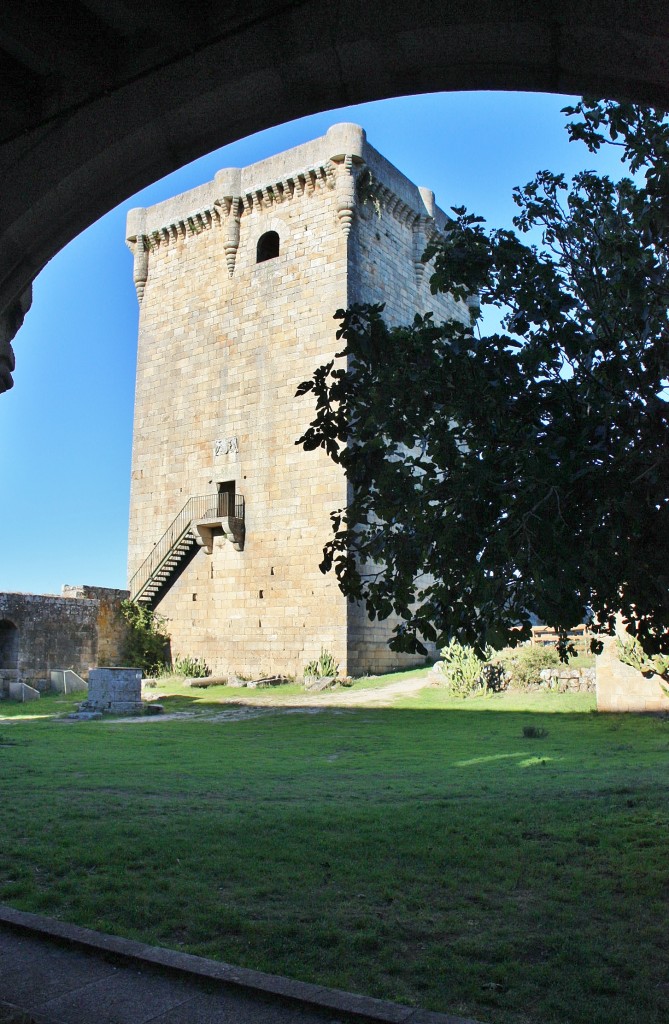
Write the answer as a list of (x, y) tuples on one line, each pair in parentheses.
[(224, 341)]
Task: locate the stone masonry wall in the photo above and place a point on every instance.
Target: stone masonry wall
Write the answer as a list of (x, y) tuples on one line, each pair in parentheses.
[(621, 687), (111, 626), (74, 631), (220, 357), (52, 633), (385, 267), (224, 342)]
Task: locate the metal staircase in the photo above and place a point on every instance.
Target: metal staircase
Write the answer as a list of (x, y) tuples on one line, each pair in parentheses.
[(194, 525)]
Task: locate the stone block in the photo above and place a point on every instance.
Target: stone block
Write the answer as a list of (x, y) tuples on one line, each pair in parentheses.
[(621, 687), (65, 680), (318, 683), (115, 690), (23, 692)]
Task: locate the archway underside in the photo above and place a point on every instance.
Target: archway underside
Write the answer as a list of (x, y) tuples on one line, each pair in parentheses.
[(116, 95)]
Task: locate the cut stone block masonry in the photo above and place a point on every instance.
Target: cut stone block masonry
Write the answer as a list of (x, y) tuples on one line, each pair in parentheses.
[(238, 282)]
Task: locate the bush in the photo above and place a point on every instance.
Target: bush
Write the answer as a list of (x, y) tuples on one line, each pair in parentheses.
[(147, 643), (323, 666), (193, 668), (495, 678), (461, 668), (534, 732), (522, 665)]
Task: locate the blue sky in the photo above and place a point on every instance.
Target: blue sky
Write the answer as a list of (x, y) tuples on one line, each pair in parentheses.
[(66, 427)]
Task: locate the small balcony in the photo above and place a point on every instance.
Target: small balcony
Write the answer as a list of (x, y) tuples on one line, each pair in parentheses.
[(224, 514)]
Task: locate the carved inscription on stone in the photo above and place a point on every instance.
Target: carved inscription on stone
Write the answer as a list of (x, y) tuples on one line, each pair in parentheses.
[(226, 446)]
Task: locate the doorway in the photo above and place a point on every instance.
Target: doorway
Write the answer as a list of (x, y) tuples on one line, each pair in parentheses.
[(9, 645), (226, 498)]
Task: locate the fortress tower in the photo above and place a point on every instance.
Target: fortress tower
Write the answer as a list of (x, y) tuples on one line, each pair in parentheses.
[(238, 281)]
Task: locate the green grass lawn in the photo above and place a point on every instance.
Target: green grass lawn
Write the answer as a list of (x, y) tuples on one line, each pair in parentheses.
[(427, 853)]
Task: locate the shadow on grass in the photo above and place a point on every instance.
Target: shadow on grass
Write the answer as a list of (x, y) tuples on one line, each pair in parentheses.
[(423, 853), (429, 699), (49, 705)]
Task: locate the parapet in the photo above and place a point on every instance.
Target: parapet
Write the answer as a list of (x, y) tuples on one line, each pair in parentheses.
[(335, 160)]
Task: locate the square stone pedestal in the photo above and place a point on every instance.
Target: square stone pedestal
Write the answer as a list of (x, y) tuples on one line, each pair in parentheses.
[(115, 690)]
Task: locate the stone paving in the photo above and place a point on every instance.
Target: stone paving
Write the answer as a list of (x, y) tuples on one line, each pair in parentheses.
[(55, 973), (51, 984)]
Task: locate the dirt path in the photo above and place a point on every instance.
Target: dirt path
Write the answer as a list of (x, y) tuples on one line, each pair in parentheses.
[(374, 697), (251, 704)]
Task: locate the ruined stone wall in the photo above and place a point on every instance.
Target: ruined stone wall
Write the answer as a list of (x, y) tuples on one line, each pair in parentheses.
[(621, 687), (52, 633), (76, 630), (111, 626)]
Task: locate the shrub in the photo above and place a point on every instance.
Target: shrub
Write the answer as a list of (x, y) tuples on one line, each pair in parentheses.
[(194, 668), (534, 732), (630, 652), (323, 666), (522, 665), (495, 677), (461, 668), (147, 642)]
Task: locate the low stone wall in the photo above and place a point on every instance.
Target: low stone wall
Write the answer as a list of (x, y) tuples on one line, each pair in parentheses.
[(565, 680), (42, 632), (622, 688)]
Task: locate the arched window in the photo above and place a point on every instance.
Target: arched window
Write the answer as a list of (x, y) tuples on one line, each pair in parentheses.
[(268, 247), (9, 644)]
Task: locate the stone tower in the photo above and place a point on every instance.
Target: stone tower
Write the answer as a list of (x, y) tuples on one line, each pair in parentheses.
[(238, 281)]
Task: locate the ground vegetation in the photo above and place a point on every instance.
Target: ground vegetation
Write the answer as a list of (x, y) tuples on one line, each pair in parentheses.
[(490, 857), (147, 642)]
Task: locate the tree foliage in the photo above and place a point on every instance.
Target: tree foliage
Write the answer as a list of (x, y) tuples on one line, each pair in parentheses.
[(147, 643), (494, 475)]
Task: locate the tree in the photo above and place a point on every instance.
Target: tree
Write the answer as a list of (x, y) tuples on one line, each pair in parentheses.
[(147, 643), (498, 474)]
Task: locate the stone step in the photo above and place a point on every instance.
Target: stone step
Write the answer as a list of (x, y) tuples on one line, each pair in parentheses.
[(167, 567)]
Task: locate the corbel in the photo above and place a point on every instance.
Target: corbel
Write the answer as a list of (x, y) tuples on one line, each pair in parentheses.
[(140, 268), (346, 193), (231, 244)]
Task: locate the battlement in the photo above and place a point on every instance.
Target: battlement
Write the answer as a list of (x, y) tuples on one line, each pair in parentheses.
[(333, 161)]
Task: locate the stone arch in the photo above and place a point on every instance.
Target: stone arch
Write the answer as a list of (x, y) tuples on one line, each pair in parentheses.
[(9, 645), (82, 135)]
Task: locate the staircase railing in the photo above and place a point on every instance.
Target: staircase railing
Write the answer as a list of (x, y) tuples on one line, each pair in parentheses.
[(203, 506)]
